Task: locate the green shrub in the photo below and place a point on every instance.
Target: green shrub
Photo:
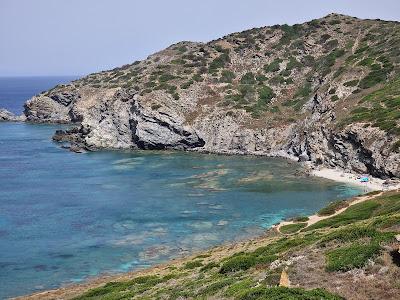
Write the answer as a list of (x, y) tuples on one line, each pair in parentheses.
[(215, 287), (290, 33), (304, 91), (175, 96), (187, 84), (333, 207), (382, 108), (373, 78), (197, 77), (209, 266), (386, 222), (334, 98), (219, 62), (273, 66), (238, 263), (112, 290), (166, 77), (261, 78), (265, 94), (238, 287), (357, 212), (259, 293), (227, 76), (193, 264), (351, 83), (292, 64), (248, 78), (292, 228), (350, 257), (277, 80), (300, 219)]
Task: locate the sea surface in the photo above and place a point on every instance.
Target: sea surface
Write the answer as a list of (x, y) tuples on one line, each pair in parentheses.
[(65, 217), (14, 91)]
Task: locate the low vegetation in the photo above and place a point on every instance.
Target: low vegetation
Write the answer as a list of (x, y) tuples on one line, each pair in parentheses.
[(292, 228), (350, 240)]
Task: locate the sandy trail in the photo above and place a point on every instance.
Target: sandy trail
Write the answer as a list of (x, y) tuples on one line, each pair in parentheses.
[(315, 218)]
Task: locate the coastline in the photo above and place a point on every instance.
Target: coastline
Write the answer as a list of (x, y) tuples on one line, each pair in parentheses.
[(71, 290), (373, 184)]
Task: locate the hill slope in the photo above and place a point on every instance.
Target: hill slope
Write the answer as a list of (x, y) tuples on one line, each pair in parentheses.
[(326, 91)]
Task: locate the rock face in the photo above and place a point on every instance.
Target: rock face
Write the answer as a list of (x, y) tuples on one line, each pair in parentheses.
[(323, 91), (5, 115)]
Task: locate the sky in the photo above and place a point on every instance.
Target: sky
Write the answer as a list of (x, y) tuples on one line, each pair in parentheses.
[(77, 37)]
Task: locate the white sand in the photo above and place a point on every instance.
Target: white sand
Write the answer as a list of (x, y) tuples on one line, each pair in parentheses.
[(374, 184)]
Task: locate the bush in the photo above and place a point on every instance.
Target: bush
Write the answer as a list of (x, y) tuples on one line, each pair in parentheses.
[(219, 62), (287, 293), (292, 64), (187, 84), (165, 77), (237, 263), (357, 233), (248, 78), (350, 257), (265, 94), (197, 77), (357, 212), (292, 228), (273, 66), (193, 264), (227, 76), (300, 219), (373, 78), (332, 208), (351, 83), (209, 266), (304, 91)]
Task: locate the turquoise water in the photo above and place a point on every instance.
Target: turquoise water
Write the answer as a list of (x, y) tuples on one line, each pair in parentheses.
[(65, 217)]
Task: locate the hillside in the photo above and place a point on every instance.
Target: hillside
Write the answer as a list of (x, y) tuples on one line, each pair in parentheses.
[(326, 91), (351, 255)]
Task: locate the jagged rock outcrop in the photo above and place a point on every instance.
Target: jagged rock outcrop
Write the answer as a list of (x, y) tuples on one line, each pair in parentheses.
[(6, 115), (324, 91)]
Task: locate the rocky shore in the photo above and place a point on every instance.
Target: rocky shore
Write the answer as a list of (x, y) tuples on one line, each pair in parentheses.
[(7, 116), (322, 92)]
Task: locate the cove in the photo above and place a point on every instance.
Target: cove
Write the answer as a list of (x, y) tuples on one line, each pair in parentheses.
[(65, 217)]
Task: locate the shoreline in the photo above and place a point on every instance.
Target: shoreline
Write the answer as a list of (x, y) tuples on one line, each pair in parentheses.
[(373, 184), (71, 290)]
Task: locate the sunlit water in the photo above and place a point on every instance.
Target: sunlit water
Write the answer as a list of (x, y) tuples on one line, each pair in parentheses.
[(65, 217)]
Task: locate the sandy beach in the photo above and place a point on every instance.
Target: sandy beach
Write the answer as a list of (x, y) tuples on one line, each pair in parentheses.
[(374, 184)]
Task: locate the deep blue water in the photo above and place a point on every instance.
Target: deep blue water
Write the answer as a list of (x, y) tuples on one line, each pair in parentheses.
[(65, 216), (14, 91)]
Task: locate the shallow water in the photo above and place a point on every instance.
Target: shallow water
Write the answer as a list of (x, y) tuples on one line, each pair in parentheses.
[(66, 216)]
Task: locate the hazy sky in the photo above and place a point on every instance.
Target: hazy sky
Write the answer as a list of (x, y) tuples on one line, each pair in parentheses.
[(69, 37)]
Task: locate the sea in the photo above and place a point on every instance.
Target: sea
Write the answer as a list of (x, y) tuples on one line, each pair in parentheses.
[(67, 217)]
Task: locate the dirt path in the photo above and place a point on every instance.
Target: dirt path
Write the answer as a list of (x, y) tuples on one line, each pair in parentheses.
[(356, 42), (315, 218)]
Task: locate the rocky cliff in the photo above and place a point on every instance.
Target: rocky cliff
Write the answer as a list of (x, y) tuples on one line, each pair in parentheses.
[(8, 116), (326, 91)]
